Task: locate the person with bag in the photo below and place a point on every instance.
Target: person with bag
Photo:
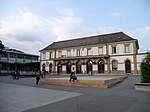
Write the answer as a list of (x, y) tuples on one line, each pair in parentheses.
[(73, 76)]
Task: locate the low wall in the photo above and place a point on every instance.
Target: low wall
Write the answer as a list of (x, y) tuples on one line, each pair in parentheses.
[(85, 82), (142, 87)]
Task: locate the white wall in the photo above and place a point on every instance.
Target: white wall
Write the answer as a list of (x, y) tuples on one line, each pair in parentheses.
[(72, 53), (47, 55), (138, 66), (41, 54), (64, 68), (121, 61), (83, 51), (95, 67), (140, 57), (94, 50), (47, 66), (120, 67), (73, 66), (104, 49), (105, 67), (64, 52), (132, 66), (121, 48), (84, 68)]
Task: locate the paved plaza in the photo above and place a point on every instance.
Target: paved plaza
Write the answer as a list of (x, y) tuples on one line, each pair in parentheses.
[(24, 95), (19, 98)]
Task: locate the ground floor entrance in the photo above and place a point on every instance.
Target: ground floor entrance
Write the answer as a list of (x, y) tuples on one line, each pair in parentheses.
[(101, 67), (78, 67), (82, 66), (128, 66)]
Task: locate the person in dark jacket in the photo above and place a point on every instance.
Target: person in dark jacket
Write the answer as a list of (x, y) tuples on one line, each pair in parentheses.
[(17, 74), (73, 77), (37, 75), (14, 75)]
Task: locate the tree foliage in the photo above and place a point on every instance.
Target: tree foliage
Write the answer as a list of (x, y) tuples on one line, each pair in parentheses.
[(145, 69), (1, 46)]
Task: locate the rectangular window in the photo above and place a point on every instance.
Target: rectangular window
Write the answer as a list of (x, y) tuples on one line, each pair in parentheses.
[(51, 55), (82, 52), (89, 51), (20, 56), (127, 50), (59, 54), (73, 52), (4, 55), (68, 53), (78, 52), (44, 55), (114, 50), (28, 57), (34, 58), (12, 56), (100, 50)]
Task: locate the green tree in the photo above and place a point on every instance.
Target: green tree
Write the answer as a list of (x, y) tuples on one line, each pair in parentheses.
[(145, 69), (1, 45)]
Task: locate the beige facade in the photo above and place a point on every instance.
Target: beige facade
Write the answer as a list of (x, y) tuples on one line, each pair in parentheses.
[(108, 58)]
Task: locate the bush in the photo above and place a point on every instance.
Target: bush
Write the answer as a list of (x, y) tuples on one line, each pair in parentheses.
[(145, 69)]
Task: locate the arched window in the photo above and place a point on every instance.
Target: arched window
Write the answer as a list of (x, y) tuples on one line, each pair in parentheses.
[(114, 65)]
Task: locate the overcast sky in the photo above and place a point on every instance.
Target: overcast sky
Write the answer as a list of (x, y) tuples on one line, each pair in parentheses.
[(31, 25)]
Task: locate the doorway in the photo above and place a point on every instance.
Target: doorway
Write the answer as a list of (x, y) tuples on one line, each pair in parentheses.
[(59, 68), (68, 67), (50, 68), (101, 66), (78, 67), (89, 67), (127, 66)]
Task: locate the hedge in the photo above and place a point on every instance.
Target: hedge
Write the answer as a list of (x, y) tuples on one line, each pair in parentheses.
[(145, 69)]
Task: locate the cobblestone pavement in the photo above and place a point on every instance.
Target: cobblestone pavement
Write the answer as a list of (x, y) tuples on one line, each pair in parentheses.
[(24, 95)]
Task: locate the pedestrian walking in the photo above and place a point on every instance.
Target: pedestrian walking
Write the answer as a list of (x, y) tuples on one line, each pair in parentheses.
[(18, 74), (14, 75), (41, 73), (37, 75), (44, 73)]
